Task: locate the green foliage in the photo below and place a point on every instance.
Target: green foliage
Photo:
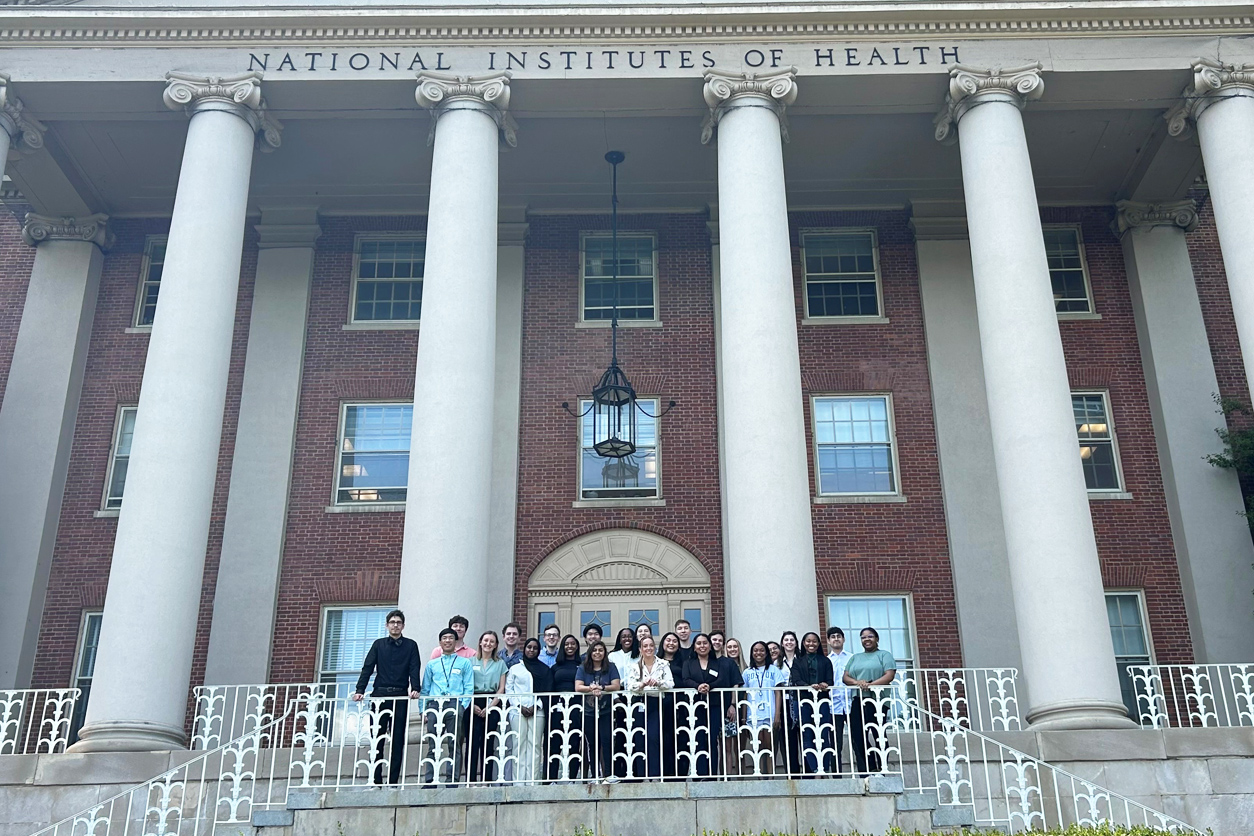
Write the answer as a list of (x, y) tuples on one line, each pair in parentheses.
[(1238, 440), (1073, 830)]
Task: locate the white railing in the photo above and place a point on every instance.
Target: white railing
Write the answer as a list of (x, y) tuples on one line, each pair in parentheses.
[(222, 787), (1008, 789), (36, 721), (307, 738), (1194, 696), (984, 699)]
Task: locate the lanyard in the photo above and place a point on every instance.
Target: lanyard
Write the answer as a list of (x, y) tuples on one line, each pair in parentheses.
[(448, 684)]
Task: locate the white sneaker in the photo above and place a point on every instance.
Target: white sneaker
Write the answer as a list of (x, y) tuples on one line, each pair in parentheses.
[(613, 779)]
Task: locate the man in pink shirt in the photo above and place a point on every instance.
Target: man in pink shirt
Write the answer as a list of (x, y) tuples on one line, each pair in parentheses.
[(459, 624)]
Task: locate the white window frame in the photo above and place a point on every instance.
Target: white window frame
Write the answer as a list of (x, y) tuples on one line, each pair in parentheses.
[(339, 450), (87, 615), (620, 500), (879, 278), (583, 263), (1146, 633), (1091, 313), (1114, 441), (851, 642), (145, 266), (380, 324), (113, 458), (892, 443), (322, 628)]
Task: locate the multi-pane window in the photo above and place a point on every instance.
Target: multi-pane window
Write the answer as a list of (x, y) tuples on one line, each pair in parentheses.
[(600, 618), (150, 281), (374, 453), (632, 477), (854, 437), (1098, 455), (347, 633), (388, 284), (1127, 631), (123, 433), (693, 617), (888, 614), (1067, 272), (651, 617), (85, 667), (544, 619), (841, 274), (636, 286)]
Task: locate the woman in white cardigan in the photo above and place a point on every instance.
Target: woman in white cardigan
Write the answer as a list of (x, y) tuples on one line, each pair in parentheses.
[(647, 679)]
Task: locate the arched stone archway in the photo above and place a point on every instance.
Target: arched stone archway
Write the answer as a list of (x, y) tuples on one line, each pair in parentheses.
[(620, 576)]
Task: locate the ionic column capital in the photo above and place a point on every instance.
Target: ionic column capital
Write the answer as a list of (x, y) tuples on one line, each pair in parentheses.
[(238, 94), (442, 92), (26, 132), (1212, 81), (93, 228), (724, 91), (970, 86), (1133, 215)]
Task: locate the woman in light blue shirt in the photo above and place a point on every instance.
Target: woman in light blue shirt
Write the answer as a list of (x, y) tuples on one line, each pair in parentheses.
[(865, 671)]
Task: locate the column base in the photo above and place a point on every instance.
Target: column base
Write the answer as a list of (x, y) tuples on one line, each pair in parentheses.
[(128, 736), (1080, 714)]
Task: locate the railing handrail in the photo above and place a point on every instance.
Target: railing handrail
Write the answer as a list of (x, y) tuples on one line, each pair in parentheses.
[(1196, 695), (20, 710), (945, 722), (161, 776)]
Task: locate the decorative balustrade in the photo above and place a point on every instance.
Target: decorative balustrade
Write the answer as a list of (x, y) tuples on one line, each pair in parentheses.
[(1007, 789), (302, 737), (1194, 696), (36, 721)]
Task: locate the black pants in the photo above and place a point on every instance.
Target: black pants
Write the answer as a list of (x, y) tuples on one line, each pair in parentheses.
[(481, 751), (838, 724), (394, 718), (565, 752), (864, 735), (816, 738), (597, 738)]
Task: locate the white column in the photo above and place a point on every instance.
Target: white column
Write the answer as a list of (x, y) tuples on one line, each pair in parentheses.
[(140, 685), (444, 559), (1220, 101), (246, 594), (1212, 541), (1054, 571), (37, 417), (767, 486)]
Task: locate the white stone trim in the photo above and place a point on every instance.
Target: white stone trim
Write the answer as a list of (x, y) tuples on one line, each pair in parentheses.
[(1107, 493), (807, 319), (656, 321), (1091, 313), (837, 498), (355, 324)]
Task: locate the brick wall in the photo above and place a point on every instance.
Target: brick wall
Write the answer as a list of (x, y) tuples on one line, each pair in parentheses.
[(17, 259), (561, 362), (337, 558), (1133, 536), (883, 547)]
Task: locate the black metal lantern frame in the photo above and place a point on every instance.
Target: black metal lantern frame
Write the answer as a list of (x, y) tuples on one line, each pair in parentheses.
[(614, 403)]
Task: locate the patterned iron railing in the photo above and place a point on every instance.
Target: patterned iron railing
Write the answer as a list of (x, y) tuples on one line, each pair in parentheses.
[(36, 721), (1194, 696), (305, 737)]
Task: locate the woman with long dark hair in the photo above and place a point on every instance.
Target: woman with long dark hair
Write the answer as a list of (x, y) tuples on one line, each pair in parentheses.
[(764, 711), (812, 675), (671, 652), (790, 730), (565, 714), (596, 680), (696, 721)]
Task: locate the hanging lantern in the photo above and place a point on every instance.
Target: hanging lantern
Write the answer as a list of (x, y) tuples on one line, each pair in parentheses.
[(614, 404)]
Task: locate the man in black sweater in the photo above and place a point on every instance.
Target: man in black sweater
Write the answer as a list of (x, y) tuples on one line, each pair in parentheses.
[(397, 670)]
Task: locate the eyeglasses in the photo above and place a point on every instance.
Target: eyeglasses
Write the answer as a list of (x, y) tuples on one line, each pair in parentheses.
[(397, 622)]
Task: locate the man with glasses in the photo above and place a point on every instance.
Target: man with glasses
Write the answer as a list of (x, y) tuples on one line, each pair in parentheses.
[(397, 669)]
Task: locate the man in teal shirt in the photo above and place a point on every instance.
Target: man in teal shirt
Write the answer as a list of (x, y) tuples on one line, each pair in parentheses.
[(447, 685)]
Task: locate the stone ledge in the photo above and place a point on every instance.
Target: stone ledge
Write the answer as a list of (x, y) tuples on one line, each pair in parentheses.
[(1101, 745), (1207, 743)]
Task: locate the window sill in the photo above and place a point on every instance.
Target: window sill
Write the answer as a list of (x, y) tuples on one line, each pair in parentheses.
[(138, 329), (622, 323), (1099, 495), (106, 514), (1078, 316), (380, 326), (859, 499), (633, 502), (845, 320), (364, 508)]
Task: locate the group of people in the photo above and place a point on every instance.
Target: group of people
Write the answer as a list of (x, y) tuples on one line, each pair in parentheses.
[(554, 709)]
